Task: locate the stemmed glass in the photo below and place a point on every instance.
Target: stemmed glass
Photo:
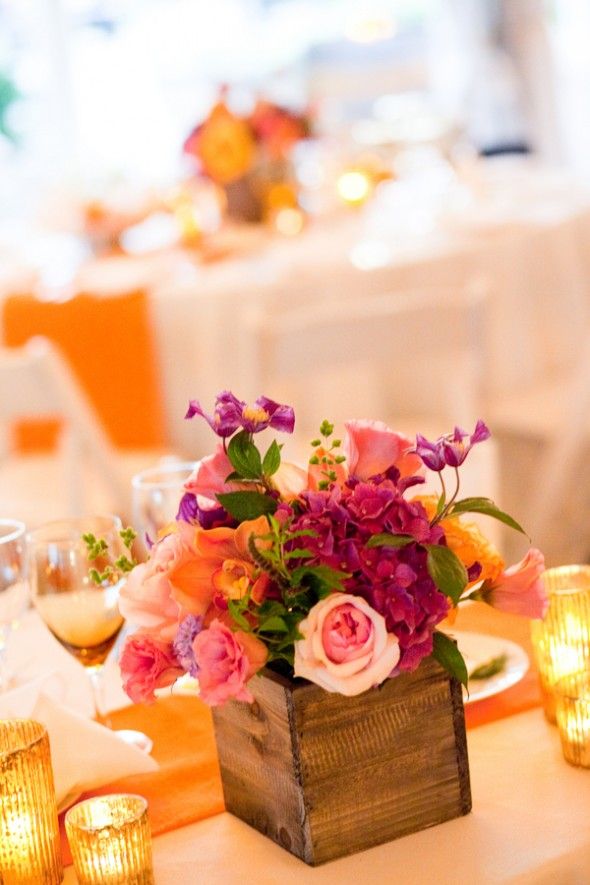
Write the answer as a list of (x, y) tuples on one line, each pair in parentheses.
[(13, 589), (156, 496), (82, 615)]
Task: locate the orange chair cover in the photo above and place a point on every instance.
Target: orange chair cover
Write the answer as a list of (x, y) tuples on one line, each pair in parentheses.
[(109, 344)]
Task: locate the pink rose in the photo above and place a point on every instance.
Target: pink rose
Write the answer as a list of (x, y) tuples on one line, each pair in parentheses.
[(346, 647), (147, 663), (225, 662), (146, 598), (208, 478), (371, 447), (520, 590)]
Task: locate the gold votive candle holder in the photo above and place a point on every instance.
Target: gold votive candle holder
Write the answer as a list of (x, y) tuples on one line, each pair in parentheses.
[(561, 641), (30, 851), (110, 840), (572, 708)]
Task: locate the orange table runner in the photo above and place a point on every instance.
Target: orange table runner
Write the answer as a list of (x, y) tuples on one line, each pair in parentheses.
[(108, 342), (188, 788)]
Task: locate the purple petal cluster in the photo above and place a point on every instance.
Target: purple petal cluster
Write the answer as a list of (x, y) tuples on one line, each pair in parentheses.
[(450, 450), (188, 628), (395, 581), (231, 414), (207, 517)]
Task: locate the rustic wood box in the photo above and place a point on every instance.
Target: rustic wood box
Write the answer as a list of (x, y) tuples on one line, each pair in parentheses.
[(325, 775)]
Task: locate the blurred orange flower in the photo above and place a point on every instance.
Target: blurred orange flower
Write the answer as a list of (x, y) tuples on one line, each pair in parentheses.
[(223, 144)]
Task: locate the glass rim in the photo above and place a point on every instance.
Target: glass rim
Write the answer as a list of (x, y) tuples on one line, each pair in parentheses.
[(26, 744), (571, 570), (142, 479), (18, 530), (75, 526), (134, 816)]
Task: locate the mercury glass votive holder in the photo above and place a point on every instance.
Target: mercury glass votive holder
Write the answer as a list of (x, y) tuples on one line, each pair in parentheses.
[(110, 840), (561, 641), (30, 851), (572, 708)]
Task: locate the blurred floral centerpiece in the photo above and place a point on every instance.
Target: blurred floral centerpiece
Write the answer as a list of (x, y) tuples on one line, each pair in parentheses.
[(330, 582), (248, 157)]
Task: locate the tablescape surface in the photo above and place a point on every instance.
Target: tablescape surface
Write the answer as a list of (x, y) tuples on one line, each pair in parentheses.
[(76, 592), (337, 575), (13, 589), (110, 840), (29, 833), (561, 641), (572, 712), (493, 663)]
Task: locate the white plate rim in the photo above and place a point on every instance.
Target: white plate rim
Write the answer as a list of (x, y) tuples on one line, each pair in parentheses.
[(517, 666)]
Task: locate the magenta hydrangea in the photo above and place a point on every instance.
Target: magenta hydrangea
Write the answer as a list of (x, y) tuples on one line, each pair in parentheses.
[(395, 581)]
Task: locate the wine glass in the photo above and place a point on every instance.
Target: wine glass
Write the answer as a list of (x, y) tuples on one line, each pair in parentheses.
[(156, 496), (13, 589), (82, 615)]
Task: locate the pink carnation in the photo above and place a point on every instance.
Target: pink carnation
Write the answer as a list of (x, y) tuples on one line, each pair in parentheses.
[(147, 663), (226, 661), (520, 590), (208, 478)]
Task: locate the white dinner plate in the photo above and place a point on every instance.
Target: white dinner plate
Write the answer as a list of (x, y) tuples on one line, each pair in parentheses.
[(478, 649)]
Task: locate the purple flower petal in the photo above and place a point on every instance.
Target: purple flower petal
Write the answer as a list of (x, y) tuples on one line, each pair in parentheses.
[(189, 627)]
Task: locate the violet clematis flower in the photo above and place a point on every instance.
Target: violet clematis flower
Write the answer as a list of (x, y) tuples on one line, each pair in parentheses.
[(230, 413), (455, 446), (431, 453), (450, 450)]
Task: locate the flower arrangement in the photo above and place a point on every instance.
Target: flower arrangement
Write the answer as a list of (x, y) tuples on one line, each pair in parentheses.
[(248, 156), (339, 573)]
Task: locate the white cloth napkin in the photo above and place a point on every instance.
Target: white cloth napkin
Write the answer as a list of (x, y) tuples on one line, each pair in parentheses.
[(84, 754)]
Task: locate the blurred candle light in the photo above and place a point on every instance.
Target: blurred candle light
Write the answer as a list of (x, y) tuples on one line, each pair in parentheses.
[(561, 642), (110, 841), (289, 222), (29, 833), (354, 187), (572, 706)]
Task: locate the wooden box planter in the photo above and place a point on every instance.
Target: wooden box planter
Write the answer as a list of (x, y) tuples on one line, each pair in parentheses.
[(325, 775)]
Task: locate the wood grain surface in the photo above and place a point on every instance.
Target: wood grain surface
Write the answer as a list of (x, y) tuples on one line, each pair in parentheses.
[(324, 775)]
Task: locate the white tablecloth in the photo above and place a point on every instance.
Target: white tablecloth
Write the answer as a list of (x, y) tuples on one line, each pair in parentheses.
[(530, 821), (529, 824)]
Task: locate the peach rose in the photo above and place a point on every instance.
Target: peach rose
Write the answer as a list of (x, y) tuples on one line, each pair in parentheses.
[(345, 647), (147, 598), (371, 447)]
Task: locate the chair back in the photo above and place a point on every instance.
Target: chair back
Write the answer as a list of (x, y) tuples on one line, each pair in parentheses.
[(36, 382), (416, 354)]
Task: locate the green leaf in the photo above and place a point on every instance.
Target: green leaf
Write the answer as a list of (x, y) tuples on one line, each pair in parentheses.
[(274, 625), (490, 668), (244, 456), (447, 654), (441, 504), (488, 508), (329, 577), (299, 553), (386, 540), (272, 459), (446, 570), (234, 610), (247, 505)]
